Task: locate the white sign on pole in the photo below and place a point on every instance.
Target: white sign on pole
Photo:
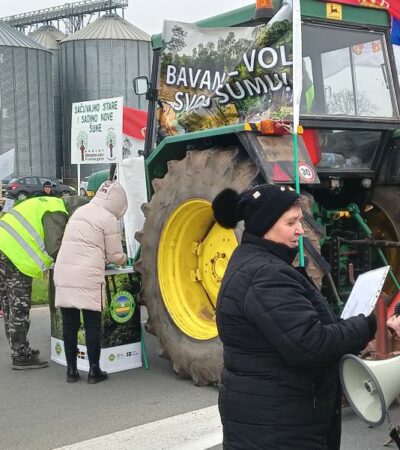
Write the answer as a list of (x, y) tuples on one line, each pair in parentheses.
[(7, 161), (96, 131)]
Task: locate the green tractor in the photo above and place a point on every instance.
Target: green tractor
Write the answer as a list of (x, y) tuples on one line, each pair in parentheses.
[(197, 145)]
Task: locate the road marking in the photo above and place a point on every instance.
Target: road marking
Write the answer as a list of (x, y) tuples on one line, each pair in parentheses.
[(195, 430)]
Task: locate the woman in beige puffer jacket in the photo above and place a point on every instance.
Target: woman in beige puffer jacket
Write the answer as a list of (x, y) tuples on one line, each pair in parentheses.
[(91, 239)]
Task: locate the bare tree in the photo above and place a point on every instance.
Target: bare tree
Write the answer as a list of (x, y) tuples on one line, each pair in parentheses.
[(343, 103)]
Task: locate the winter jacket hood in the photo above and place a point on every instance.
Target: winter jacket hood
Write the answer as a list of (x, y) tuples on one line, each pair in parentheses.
[(112, 197)]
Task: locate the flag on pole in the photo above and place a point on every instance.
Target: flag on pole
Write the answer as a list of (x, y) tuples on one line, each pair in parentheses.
[(297, 88), (133, 130), (297, 63), (134, 122), (396, 42), (396, 31)]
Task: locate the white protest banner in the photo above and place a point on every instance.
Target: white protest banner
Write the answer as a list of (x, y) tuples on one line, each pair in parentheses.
[(96, 131), (7, 161), (132, 176), (250, 79)]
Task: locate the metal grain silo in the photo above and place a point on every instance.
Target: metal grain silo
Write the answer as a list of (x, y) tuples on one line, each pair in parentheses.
[(26, 103), (49, 36), (98, 62)]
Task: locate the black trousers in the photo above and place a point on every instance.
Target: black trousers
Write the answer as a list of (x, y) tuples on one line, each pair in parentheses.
[(71, 323)]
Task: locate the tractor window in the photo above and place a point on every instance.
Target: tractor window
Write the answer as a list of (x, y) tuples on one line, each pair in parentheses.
[(345, 73), (345, 150)]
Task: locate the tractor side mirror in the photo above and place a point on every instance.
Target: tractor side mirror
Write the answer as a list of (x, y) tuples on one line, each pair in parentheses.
[(141, 85)]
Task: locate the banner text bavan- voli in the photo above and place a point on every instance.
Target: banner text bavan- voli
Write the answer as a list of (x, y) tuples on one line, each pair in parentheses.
[(221, 86)]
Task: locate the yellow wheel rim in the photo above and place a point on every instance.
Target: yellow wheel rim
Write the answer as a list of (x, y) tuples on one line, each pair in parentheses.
[(192, 258)]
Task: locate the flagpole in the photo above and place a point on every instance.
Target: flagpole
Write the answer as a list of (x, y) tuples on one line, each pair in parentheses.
[(79, 179), (297, 88)]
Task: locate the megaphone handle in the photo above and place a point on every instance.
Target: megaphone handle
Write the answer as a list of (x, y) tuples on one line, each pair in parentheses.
[(394, 434)]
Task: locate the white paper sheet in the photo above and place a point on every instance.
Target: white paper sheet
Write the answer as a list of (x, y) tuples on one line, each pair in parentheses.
[(8, 204), (365, 293)]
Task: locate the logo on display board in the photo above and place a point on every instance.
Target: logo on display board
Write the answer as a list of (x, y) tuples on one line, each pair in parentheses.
[(111, 140), (58, 348), (122, 306), (306, 172), (82, 143), (111, 357)]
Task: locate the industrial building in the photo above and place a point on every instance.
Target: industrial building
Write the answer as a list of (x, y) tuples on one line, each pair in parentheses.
[(52, 58), (26, 103), (49, 37)]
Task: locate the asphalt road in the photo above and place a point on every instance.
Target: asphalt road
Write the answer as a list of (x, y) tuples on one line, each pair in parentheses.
[(39, 410)]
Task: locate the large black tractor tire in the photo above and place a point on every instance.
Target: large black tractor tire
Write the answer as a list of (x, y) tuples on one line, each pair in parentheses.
[(384, 220), (200, 175)]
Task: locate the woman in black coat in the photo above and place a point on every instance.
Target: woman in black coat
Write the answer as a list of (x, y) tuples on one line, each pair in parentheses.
[(282, 343)]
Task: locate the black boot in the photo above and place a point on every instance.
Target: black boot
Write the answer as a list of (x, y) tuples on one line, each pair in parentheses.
[(72, 371), (96, 375), (27, 362), (72, 374)]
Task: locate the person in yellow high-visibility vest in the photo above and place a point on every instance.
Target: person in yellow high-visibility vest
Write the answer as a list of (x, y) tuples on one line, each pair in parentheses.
[(30, 236)]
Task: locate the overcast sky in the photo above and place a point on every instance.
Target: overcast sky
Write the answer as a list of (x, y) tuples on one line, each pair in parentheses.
[(148, 15)]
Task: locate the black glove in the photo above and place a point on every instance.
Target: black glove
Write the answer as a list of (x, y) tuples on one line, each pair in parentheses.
[(371, 319)]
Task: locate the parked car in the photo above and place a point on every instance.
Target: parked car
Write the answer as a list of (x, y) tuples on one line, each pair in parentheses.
[(4, 183), (24, 187), (83, 188)]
